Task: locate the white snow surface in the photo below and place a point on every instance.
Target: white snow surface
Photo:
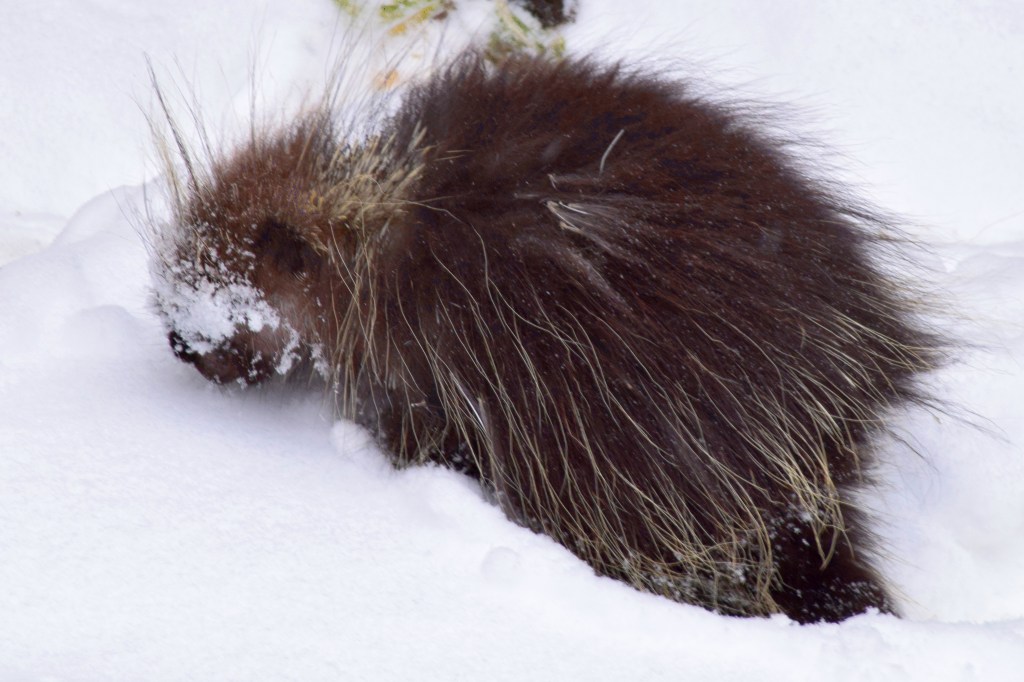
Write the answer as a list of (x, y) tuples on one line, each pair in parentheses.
[(156, 527)]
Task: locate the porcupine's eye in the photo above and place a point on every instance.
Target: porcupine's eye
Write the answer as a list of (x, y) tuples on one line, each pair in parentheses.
[(281, 247)]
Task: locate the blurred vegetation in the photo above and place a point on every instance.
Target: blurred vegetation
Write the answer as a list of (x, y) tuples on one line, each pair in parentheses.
[(514, 29)]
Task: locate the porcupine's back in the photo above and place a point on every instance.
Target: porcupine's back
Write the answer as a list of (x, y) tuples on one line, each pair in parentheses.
[(660, 343)]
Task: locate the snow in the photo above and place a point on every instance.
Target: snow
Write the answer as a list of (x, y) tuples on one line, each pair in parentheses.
[(153, 526)]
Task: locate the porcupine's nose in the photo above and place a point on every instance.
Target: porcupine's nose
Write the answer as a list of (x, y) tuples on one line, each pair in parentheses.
[(230, 362), (181, 349)]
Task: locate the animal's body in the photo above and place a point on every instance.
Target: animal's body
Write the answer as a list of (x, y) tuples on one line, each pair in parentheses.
[(620, 306)]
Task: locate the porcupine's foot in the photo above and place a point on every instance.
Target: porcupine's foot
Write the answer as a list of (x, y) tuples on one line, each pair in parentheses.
[(810, 590)]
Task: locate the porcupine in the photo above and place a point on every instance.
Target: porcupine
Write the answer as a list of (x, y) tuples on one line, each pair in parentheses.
[(622, 307)]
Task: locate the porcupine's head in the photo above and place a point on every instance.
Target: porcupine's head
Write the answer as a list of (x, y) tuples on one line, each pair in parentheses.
[(239, 270), (264, 268)]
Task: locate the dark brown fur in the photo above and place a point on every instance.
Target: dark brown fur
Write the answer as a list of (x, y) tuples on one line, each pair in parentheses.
[(621, 307)]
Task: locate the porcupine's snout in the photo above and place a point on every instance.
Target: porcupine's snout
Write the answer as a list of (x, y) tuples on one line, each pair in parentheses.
[(228, 363), (181, 348), (235, 300)]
